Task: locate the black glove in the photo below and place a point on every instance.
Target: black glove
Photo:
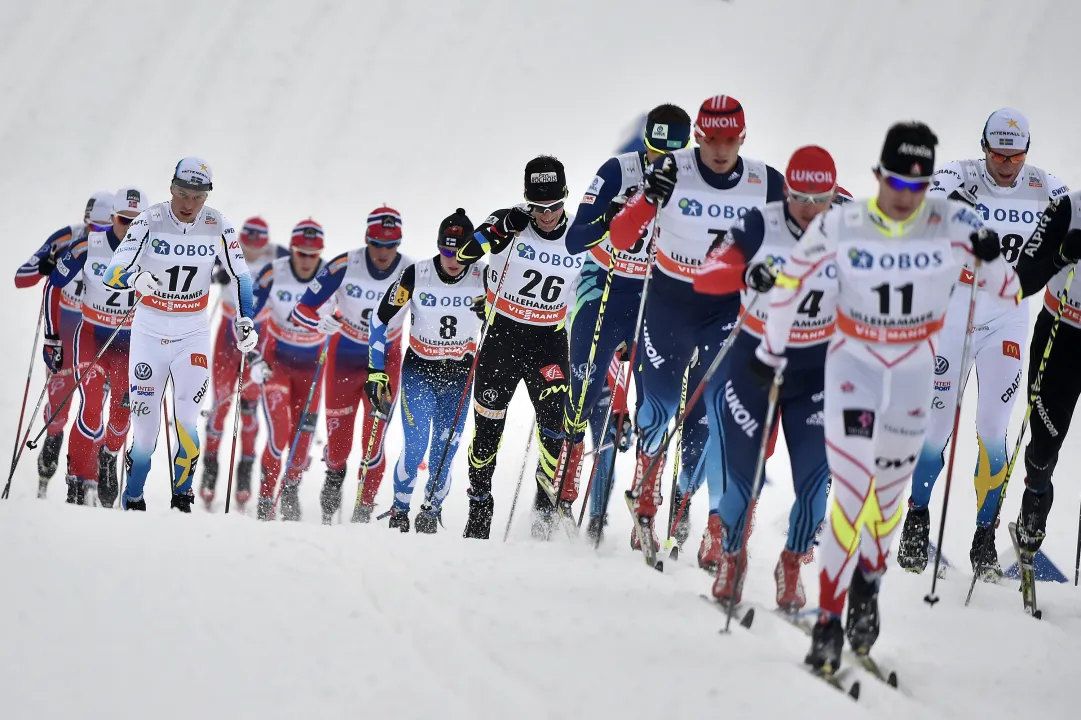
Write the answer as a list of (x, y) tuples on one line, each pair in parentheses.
[(377, 388), (53, 352), (478, 307), (764, 366), (961, 194), (221, 276), (659, 183), (986, 244), (46, 264), (1069, 251), (760, 278), (614, 207), (515, 221)]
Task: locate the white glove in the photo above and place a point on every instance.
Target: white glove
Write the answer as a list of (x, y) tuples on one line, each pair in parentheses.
[(146, 283), (260, 371), (328, 324), (246, 337)]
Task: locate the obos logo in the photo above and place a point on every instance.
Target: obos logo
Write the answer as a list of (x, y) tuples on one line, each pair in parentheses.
[(774, 261), (357, 291), (942, 365), (861, 259), (160, 247), (526, 251), (285, 295), (427, 299), (98, 268), (690, 206)]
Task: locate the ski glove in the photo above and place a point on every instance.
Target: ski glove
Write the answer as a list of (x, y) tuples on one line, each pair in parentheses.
[(986, 244), (260, 371), (765, 366), (330, 324), (246, 337), (964, 195), (478, 307), (659, 183), (1069, 251), (613, 209), (377, 388), (221, 276), (46, 265), (759, 278), (625, 432), (515, 221), (53, 352), (146, 283)]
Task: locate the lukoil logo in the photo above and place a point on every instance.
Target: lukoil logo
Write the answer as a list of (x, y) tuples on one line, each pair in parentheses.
[(160, 247), (812, 176), (690, 206), (526, 251), (740, 414)]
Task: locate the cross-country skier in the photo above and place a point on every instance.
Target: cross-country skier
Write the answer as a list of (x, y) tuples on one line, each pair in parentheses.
[(287, 368), (1010, 196), (1047, 260), (696, 195), (897, 257), (667, 128), (530, 276), (356, 281), (92, 475), (446, 301), (258, 253), (746, 261), (96, 218), (168, 257)]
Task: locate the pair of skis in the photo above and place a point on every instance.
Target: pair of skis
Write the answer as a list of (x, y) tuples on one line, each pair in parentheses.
[(1026, 565)]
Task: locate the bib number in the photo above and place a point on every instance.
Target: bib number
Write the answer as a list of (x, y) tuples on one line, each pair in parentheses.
[(174, 277), (883, 292), (550, 289), (448, 327)]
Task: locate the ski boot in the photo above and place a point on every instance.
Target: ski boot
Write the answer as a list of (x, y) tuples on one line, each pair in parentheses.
[(330, 497), (427, 520), (399, 519), (827, 642), (90, 492), (984, 555), (683, 525), (709, 553), (645, 498), (543, 516), (210, 481), (243, 482), (265, 509), (595, 529), (726, 589), (362, 513), (1032, 521), (290, 501), (790, 595), (127, 503), (48, 460), (861, 625), (182, 502), (76, 492), (481, 509), (108, 485), (912, 552)]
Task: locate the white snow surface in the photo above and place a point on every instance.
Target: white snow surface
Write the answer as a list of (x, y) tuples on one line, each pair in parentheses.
[(330, 109)]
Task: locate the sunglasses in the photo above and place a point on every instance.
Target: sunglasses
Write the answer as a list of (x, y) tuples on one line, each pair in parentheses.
[(809, 199), (898, 183), (186, 194), (1012, 159), (383, 243), (448, 252), (545, 207), (123, 219)]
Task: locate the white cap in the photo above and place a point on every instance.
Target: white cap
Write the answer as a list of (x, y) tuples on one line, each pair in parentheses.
[(129, 200), (1006, 129), (194, 174), (100, 208)]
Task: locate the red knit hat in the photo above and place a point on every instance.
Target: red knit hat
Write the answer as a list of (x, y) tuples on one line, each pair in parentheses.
[(721, 116), (384, 226), (255, 232), (307, 237), (811, 171)]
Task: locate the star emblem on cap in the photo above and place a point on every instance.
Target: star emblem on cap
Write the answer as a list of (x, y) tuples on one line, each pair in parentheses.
[(1013, 123), (203, 167)]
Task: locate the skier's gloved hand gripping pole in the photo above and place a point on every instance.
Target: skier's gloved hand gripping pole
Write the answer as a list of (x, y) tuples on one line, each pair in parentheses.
[(16, 452), (478, 246)]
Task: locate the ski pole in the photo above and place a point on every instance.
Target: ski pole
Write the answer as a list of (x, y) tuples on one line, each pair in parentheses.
[(25, 443), (1077, 561), (620, 386), (759, 473), (376, 419), (168, 435), (236, 430), (669, 543), (79, 378), (300, 420), (521, 477), (1034, 391), (486, 323), (931, 598), (26, 391)]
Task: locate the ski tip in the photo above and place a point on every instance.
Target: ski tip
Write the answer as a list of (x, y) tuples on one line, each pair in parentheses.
[(854, 691), (1038, 614), (659, 566), (747, 619), (674, 555), (892, 679)]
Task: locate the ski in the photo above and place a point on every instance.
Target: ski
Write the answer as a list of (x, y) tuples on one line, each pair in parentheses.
[(864, 660), (564, 511), (836, 680), (743, 613), (645, 537), (1027, 570)]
